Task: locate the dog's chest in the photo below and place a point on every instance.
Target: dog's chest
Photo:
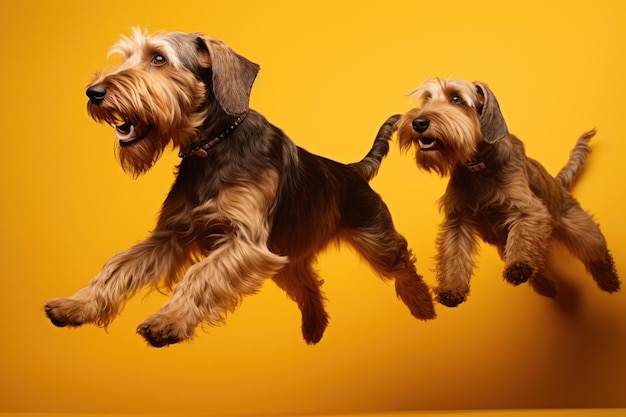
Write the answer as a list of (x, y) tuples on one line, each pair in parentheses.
[(482, 200), (207, 199)]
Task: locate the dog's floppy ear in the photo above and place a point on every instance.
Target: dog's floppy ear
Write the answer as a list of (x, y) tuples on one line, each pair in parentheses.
[(492, 122), (233, 76)]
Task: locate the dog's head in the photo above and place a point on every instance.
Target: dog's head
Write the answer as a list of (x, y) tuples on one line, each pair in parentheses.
[(450, 122), (169, 87)]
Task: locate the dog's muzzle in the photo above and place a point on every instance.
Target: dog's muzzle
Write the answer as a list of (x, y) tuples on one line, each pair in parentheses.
[(126, 131), (426, 143)]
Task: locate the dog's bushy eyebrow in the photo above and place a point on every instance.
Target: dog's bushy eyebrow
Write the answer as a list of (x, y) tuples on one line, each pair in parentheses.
[(420, 95), (430, 90), (425, 95)]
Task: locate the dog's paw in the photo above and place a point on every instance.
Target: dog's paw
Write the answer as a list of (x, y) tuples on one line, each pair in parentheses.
[(450, 298), (605, 275), (313, 327), (66, 312), (157, 338), (312, 335), (160, 331), (518, 273), (416, 295)]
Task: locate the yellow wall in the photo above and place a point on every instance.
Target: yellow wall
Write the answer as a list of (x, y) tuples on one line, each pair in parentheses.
[(331, 72)]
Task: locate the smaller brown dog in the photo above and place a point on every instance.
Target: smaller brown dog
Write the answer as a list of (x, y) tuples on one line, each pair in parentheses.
[(496, 192)]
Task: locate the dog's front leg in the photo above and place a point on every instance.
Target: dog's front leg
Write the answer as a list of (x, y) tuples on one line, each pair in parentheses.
[(236, 265), (456, 246), (122, 276), (529, 232), (210, 289)]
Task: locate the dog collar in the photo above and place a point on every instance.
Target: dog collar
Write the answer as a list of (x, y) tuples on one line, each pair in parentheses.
[(200, 150), (478, 163)]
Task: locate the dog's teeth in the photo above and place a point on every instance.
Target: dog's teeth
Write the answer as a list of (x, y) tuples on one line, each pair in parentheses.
[(426, 145), (125, 132)]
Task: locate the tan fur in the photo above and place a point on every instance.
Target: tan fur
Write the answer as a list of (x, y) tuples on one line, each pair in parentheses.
[(247, 203), (496, 192)]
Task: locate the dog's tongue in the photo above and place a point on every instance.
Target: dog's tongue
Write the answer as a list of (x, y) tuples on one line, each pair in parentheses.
[(125, 132)]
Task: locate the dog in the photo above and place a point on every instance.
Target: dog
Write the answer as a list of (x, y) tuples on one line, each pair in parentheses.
[(497, 193), (247, 204)]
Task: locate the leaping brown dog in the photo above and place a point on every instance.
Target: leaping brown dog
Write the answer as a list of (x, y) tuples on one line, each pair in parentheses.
[(496, 192), (247, 203)]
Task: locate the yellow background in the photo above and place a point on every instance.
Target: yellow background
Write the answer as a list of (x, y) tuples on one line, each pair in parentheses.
[(332, 71)]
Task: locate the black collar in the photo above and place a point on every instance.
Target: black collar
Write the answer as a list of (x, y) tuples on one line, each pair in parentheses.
[(200, 148)]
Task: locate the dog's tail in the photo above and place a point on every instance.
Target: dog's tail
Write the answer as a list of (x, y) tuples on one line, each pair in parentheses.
[(569, 173), (368, 166)]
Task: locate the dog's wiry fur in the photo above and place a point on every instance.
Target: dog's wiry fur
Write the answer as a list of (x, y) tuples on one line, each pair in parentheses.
[(250, 206), (497, 193)]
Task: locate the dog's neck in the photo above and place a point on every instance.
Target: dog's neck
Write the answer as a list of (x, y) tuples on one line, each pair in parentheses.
[(479, 161), (200, 148)]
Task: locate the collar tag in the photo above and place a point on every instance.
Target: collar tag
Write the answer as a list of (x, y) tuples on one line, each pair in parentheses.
[(200, 153), (479, 166)]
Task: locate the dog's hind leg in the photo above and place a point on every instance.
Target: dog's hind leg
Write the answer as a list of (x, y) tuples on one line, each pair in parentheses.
[(582, 236), (371, 232), (387, 253), (302, 284)]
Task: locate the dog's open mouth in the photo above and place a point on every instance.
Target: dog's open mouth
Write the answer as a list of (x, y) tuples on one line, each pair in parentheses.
[(128, 132), (428, 144), (125, 132)]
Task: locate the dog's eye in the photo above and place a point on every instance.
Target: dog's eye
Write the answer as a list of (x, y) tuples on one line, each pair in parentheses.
[(158, 60), (456, 99)]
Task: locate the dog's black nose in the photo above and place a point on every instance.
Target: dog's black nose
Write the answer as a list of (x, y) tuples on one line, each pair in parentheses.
[(420, 124), (96, 93)]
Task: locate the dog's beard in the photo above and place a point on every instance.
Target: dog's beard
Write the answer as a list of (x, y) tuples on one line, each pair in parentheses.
[(438, 161), (138, 157), (445, 155), (138, 146)]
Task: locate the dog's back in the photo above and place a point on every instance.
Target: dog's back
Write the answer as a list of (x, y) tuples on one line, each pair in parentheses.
[(316, 190)]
